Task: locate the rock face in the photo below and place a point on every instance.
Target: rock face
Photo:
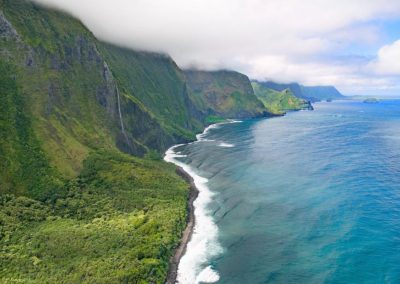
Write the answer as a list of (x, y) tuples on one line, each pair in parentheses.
[(225, 94), (7, 31)]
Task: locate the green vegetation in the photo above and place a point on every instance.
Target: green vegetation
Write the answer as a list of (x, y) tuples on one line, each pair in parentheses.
[(309, 93), (225, 94), (279, 102), (157, 82), (211, 119), (73, 207), (118, 222), (24, 168), (60, 88)]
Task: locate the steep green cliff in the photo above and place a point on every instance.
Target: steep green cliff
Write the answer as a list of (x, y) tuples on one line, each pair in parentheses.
[(157, 82), (73, 207), (279, 102), (85, 95), (61, 77), (225, 94)]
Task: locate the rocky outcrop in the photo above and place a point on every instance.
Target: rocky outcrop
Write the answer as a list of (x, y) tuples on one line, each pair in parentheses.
[(7, 31)]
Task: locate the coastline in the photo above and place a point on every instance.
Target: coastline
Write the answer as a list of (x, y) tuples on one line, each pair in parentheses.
[(187, 233), (197, 186), (194, 191), (197, 191)]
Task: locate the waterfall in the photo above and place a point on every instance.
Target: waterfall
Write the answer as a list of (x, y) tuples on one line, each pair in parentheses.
[(119, 111), (112, 82), (120, 116)]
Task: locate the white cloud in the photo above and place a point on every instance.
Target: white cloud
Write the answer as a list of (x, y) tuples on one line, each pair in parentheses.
[(349, 78), (286, 40), (388, 60)]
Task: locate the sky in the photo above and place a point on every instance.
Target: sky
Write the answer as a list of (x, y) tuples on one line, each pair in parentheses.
[(351, 44)]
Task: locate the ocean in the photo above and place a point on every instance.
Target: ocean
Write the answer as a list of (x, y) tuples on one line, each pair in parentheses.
[(311, 197)]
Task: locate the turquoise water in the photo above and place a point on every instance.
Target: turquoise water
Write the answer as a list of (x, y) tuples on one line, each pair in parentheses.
[(312, 197)]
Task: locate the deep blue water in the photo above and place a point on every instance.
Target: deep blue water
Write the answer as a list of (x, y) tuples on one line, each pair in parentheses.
[(312, 197)]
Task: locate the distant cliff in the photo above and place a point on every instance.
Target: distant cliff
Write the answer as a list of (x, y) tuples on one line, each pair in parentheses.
[(279, 102), (310, 93), (225, 94), (322, 93)]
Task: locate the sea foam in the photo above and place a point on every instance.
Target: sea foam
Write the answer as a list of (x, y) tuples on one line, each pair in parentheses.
[(203, 245), (204, 241), (201, 137), (207, 275), (226, 145)]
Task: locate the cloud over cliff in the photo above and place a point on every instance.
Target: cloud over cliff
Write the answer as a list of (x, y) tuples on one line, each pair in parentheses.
[(311, 41)]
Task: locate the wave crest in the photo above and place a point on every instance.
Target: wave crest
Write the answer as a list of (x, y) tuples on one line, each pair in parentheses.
[(203, 244)]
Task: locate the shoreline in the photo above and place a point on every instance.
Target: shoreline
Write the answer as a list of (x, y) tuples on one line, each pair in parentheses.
[(194, 191), (188, 232)]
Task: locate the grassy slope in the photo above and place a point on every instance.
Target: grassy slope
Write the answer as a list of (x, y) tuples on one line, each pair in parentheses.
[(295, 88), (24, 168), (225, 94), (278, 102)]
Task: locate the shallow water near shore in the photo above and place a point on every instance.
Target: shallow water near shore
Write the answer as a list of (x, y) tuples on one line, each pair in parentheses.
[(312, 197)]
